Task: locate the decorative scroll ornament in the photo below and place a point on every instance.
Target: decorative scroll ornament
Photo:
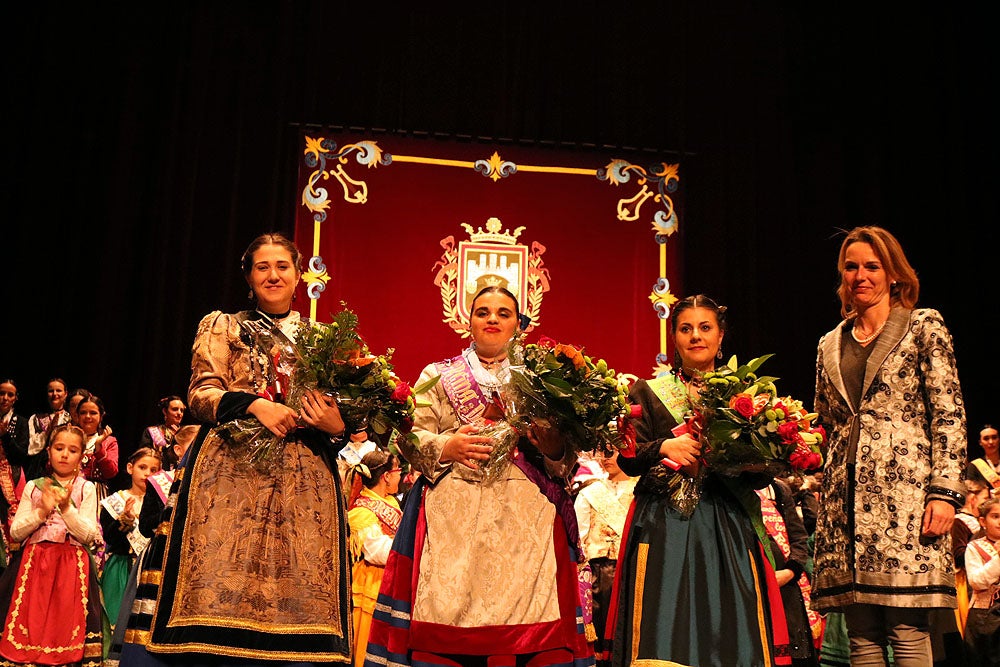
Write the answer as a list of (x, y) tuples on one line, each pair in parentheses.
[(489, 258), (321, 152), (316, 277), (495, 168), (663, 179), (663, 300)]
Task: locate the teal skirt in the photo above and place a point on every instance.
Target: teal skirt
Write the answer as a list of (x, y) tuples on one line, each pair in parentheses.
[(113, 583), (692, 590)]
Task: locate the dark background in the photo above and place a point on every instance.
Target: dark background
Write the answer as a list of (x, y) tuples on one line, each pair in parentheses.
[(144, 146)]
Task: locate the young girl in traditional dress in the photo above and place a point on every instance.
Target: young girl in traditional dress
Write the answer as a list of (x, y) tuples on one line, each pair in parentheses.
[(374, 517), (50, 597), (120, 527)]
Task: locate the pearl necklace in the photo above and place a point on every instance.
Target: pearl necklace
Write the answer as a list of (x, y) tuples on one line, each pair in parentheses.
[(867, 339)]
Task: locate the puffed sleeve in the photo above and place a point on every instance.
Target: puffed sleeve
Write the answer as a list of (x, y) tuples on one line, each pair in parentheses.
[(107, 458), (215, 355), (28, 518), (82, 521), (434, 421)]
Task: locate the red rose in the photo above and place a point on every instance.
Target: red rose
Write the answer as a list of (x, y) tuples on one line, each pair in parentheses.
[(546, 342), (789, 432), (815, 460), (743, 404), (628, 434), (800, 458), (821, 432), (401, 392)]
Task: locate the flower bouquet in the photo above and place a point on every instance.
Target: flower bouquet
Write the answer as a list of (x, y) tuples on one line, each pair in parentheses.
[(334, 359), (747, 427), (558, 384)]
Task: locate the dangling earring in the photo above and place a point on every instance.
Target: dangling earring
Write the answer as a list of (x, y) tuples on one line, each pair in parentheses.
[(250, 295), (718, 355)]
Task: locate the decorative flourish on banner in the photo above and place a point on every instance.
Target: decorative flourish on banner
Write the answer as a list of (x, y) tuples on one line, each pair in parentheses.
[(663, 176), (318, 153), (496, 168), (489, 258), (316, 277), (662, 298)]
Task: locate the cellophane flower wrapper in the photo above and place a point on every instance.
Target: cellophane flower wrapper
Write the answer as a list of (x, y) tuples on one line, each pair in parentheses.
[(505, 434), (561, 386), (334, 359), (746, 427)]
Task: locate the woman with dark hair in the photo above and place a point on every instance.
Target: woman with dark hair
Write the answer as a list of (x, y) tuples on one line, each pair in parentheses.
[(42, 423), (161, 436), (16, 467), (100, 452), (692, 580), (483, 569), (887, 390), (374, 517), (256, 563)]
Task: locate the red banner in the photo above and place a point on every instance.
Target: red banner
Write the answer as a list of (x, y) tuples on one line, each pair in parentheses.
[(405, 231)]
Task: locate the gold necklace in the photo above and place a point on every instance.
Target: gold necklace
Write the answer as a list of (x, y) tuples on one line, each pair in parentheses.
[(867, 339)]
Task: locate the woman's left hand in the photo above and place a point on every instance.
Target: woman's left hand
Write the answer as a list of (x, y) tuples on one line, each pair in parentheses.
[(321, 412), (938, 517), (548, 439)]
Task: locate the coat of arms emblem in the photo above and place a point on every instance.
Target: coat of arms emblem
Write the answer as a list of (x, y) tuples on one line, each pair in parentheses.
[(490, 257)]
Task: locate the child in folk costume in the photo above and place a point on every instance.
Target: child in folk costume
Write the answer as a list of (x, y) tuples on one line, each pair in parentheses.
[(50, 594), (132, 624), (374, 517), (120, 527), (982, 567), (601, 508), (965, 529)]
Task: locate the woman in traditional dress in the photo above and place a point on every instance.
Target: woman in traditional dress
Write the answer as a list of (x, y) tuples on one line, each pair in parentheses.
[(484, 570), (374, 517), (100, 452), (42, 423), (16, 467), (887, 390), (256, 562), (691, 586), (161, 436)]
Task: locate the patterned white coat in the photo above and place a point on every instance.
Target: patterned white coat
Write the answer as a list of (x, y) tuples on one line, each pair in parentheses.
[(910, 450)]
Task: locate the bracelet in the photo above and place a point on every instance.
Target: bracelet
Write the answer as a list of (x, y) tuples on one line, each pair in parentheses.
[(954, 497)]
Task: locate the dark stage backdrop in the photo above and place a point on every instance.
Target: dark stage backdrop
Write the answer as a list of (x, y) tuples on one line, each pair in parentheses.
[(143, 147)]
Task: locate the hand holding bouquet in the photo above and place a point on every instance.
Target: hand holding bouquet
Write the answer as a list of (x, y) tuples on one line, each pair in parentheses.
[(333, 359), (561, 386), (748, 427)]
